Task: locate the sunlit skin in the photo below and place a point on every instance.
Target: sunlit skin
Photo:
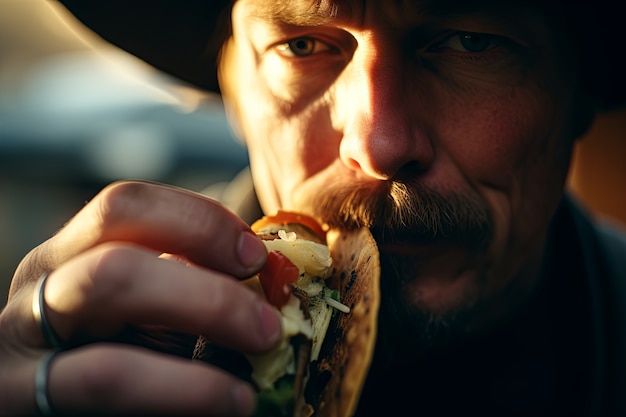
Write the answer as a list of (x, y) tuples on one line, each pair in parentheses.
[(444, 128), (468, 104)]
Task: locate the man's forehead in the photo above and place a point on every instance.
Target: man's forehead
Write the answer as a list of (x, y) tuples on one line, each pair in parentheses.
[(341, 9), (317, 12), (300, 11)]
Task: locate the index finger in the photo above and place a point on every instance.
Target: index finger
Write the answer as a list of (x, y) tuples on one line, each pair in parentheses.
[(162, 218)]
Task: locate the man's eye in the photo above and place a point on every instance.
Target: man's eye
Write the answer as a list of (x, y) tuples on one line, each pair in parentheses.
[(468, 42), (301, 47)]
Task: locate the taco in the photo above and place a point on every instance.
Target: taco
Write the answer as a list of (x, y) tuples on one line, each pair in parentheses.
[(326, 285)]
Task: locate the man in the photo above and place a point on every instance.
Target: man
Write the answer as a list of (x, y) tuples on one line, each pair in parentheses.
[(445, 127)]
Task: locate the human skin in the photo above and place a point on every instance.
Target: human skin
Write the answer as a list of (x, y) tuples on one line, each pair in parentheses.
[(388, 98), (388, 92), (107, 274)]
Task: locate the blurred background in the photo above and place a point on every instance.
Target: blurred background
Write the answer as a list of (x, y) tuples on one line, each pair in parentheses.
[(76, 114)]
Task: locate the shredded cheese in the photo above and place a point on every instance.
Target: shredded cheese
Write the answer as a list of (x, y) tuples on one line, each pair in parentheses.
[(336, 304)]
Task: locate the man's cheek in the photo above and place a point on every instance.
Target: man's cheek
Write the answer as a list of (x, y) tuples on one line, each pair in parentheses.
[(501, 146)]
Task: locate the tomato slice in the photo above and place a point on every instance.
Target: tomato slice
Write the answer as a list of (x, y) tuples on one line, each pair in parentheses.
[(276, 278), (286, 217)]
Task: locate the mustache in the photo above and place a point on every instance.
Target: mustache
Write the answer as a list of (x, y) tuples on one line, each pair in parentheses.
[(405, 211)]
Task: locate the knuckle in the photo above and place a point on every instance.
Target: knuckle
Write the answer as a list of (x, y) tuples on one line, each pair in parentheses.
[(204, 219), (113, 269), (101, 376), (119, 198), (218, 299), (231, 302)]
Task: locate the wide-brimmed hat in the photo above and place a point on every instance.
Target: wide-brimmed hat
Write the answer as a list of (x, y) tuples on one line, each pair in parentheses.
[(179, 37), (183, 38)]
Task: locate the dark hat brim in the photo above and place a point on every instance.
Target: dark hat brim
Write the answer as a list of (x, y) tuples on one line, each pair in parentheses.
[(183, 38)]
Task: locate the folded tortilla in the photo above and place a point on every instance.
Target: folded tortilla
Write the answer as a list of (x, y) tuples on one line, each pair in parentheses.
[(330, 384)]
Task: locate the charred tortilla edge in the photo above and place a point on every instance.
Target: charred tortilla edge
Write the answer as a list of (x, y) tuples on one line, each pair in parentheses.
[(357, 276)]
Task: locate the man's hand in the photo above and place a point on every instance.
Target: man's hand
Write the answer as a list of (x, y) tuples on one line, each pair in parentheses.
[(109, 280)]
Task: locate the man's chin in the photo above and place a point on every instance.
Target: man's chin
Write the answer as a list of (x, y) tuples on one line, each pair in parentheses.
[(425, 305), (440, 297)]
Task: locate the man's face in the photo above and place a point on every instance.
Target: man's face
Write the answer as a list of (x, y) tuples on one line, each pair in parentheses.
[(447, 131)]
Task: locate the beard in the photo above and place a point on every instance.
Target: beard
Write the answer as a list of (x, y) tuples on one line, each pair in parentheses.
[(405, 213)]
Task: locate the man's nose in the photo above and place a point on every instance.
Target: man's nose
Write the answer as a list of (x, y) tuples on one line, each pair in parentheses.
[(379, 104)]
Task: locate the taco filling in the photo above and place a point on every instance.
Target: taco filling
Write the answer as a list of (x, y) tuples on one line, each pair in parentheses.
[(305, 282), (293, 280)]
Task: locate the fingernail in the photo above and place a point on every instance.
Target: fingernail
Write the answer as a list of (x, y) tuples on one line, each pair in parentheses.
[(271, 327), (244, 400), (251, 251)]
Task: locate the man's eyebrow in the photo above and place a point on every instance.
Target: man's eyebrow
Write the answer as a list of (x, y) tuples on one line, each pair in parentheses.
[(299, 12), (320, 12)]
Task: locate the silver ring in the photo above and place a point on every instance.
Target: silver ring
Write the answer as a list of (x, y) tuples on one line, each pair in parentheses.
[(41, 384), (39, 312)]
